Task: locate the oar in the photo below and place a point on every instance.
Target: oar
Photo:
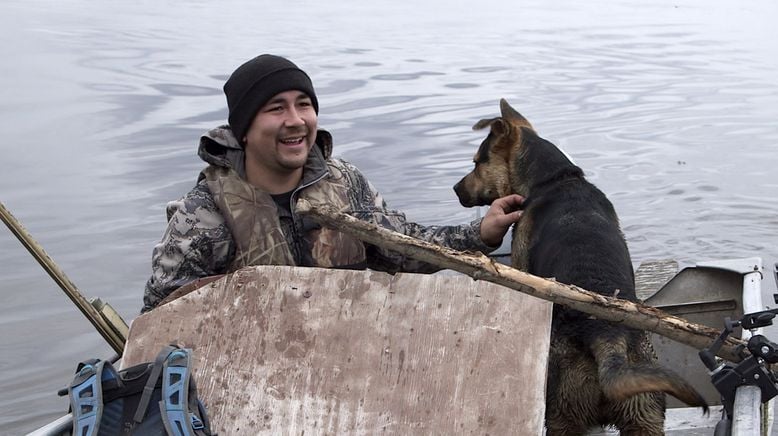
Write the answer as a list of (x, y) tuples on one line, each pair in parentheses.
[(114, 332)]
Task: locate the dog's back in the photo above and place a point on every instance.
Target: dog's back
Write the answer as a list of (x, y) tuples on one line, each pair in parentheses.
[(575, 238), (575, 235), (600, 373)]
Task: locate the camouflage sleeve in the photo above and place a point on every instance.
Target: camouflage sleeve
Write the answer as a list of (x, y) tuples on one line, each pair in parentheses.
[(197, 243), (368, 205)]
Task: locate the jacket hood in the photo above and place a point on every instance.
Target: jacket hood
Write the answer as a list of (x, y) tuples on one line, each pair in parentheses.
[(220, 147)]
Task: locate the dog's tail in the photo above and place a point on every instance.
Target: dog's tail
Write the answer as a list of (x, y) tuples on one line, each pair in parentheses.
[(621, 379)]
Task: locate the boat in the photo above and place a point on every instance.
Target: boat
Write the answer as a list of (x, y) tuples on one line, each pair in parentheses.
[(709, 293), (292, 350)]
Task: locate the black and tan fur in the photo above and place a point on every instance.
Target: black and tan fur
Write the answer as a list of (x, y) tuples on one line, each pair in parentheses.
[(599, 373)]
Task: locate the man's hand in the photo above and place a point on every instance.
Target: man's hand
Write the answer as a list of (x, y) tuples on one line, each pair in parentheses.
[(498, 219)]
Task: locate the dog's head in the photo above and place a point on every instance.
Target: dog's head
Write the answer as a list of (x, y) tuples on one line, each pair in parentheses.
[(491, 178)]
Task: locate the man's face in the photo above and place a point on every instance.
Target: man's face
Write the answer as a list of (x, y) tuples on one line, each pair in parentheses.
[(282, 133)]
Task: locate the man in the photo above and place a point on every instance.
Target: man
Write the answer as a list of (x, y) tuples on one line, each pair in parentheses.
[(241, 212)]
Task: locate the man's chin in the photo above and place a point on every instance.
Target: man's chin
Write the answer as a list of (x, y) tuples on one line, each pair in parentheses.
[(293, 163)]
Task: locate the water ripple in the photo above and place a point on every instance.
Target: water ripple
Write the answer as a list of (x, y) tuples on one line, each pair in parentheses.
[(179, 90), (405, 76)]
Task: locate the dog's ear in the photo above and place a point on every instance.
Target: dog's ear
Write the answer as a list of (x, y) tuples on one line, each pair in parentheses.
[(498, 125), (512, 114), (484, 123)]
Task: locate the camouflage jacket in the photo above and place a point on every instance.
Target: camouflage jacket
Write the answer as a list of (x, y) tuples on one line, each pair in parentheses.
[(198, 242)]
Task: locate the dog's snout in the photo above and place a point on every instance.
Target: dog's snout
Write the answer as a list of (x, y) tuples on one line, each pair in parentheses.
[(463, 194), (458, 187)]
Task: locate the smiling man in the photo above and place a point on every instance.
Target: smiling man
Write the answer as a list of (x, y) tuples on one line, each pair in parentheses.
[(241, 210), (278, 141)]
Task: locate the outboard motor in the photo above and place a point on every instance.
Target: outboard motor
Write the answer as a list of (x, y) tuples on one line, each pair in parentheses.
[(753, 370)]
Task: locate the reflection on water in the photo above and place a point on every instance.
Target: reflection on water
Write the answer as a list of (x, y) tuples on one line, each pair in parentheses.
[(670, 108)]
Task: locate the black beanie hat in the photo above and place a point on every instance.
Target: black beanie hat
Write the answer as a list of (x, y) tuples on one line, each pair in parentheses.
[(257, 81)]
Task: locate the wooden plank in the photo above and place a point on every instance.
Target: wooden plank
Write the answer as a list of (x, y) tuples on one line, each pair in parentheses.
[(286, 350), (651, 275)]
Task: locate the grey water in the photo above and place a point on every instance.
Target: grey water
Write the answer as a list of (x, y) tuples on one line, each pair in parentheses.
[(670, 107)]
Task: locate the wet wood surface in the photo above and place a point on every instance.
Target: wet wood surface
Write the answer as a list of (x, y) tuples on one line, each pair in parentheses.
[(289, 351)]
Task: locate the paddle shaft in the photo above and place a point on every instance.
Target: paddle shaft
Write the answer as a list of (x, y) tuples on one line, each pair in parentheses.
[(115, 339)]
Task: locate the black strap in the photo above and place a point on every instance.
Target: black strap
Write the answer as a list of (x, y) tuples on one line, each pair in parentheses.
[(148, 389)]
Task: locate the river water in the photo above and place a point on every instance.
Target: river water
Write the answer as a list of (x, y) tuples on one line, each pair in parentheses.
[(671, 108)]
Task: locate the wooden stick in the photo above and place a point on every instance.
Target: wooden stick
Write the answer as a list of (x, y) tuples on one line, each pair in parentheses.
[(481, 267), (111, 334)]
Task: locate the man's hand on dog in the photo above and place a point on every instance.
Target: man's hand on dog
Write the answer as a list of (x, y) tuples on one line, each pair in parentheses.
[(498, 219)]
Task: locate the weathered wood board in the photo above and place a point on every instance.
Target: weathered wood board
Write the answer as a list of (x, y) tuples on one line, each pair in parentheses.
[(289, 351)]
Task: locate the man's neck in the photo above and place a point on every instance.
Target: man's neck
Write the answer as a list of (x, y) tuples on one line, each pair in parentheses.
[(273, 182)]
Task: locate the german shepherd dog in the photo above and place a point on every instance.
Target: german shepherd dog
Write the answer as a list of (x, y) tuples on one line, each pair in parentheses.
[(599, 373)]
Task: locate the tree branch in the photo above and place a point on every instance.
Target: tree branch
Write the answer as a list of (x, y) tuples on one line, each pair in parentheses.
[(481, 267)]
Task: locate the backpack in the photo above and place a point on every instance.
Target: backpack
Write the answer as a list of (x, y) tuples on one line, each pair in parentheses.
[(154, 398)]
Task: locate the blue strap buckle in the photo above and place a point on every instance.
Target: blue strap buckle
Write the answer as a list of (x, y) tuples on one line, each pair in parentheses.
[(196, 423)]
